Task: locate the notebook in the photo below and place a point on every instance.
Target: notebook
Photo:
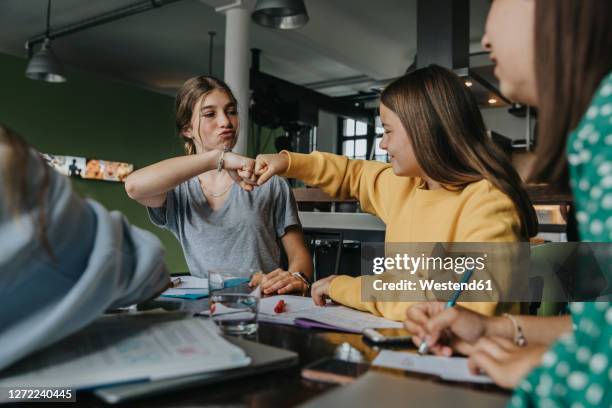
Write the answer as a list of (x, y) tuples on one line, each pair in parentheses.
[(129, 348), (263, 359)]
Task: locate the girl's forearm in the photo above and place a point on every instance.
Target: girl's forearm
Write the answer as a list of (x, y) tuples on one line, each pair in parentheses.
[(301, 263), (161, 177), (540, 330)]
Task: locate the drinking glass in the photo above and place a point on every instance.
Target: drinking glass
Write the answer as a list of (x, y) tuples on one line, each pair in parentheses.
[(233, 307)]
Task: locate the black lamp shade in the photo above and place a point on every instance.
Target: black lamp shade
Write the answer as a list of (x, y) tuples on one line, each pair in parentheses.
[(45, 66), (283, 14)]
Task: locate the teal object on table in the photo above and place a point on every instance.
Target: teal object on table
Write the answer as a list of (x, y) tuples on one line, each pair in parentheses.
[(191, 296), (230, 283)]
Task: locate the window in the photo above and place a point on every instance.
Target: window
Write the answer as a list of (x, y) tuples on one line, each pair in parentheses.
[(354, 139), (379, 154)]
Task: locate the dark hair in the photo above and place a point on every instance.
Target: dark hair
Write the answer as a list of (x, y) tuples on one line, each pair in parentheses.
[(188, 96), (573, 43), (14, 167), (449, 138)]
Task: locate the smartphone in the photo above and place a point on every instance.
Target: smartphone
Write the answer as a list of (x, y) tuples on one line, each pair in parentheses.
[(388, 336), (332, 370)]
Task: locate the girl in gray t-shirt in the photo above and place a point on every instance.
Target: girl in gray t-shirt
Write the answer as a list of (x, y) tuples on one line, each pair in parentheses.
[(209, 201)]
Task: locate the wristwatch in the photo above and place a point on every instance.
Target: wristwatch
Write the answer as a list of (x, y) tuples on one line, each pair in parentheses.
[(304, 279)]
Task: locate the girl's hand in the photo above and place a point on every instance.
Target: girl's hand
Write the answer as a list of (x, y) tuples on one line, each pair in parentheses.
[(443, 329), (320, 290), (267, 165), (503, 361), (256, 279), (280, 282), (241, 170)]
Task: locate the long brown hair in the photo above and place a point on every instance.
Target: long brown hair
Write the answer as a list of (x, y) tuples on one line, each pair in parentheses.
[(186, 99), (573, 43), (449, 137), (17, 200)]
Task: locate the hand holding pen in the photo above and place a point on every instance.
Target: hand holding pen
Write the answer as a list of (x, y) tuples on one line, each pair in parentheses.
[(439, 327)]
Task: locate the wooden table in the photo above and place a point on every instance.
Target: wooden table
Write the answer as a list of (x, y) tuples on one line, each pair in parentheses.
[(284, 388)]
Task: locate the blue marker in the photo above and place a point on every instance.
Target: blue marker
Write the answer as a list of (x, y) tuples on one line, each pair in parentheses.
[(424, 348)]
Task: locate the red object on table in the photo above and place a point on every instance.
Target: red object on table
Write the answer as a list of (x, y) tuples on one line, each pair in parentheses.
[(280, 307)]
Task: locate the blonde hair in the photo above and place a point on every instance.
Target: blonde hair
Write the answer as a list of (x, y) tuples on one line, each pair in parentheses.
[(14, 167)]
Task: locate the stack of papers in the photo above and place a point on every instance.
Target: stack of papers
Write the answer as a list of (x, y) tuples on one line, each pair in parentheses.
[(301, 311), (128, 348), (189, 287), (447, 368)]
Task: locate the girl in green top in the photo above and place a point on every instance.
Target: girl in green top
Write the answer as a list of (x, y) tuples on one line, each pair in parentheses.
[(562, 64)]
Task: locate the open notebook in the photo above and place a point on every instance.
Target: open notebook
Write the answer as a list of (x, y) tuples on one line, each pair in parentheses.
[(301, 311), (128, 348)]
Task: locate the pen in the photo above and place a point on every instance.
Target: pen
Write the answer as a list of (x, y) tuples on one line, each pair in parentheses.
[(424, 348), (175, 282)]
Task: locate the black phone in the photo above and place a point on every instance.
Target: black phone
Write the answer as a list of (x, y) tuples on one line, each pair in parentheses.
[(388, 336), (332, 370)]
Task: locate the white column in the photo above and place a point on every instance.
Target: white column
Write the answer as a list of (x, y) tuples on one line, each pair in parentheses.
[(237, 63)]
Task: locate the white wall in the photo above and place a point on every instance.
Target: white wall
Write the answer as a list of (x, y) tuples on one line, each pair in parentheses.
[(500, 121), (327, 132)]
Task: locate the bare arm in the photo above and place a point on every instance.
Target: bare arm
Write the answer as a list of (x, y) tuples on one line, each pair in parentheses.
[(150, 185), (297, 253), (279, 281), (541, 330), (458, 328)]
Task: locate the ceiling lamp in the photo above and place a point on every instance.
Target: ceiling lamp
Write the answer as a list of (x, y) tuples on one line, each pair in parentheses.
[(283, 14), (44, 65)]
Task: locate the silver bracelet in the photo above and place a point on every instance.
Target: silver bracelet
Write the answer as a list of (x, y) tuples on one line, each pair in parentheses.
[(519, 336), (301, 277), (221, 161)]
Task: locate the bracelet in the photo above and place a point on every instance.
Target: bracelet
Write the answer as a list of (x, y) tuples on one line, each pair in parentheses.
[(519, 336), (303, 278), (221, 162)]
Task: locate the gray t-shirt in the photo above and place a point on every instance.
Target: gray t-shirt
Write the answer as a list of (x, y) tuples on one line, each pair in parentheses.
[(243, 234)]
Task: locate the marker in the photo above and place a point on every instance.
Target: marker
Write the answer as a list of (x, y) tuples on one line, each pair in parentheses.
[(424, 348), (280, 306)]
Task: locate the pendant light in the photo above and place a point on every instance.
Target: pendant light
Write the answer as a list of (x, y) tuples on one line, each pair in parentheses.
[(281, 14), (44, 65)]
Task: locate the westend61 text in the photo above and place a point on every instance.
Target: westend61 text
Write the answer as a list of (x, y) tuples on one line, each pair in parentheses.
[(428, 284)]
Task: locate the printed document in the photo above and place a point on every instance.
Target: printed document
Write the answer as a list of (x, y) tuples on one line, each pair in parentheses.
[(447, 368)]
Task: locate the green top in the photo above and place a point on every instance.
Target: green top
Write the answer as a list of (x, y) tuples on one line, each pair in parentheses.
[(589, 153), (576, 370)]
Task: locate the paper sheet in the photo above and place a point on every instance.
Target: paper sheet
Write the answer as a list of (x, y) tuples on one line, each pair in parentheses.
[(344, 318), (302, 308), (447, 368), (122, 348)]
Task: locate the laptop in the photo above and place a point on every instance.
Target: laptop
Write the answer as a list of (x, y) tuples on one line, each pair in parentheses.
[(263, 359)]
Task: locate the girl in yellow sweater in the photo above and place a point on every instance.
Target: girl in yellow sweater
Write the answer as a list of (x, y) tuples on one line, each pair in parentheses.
[(446, 182)]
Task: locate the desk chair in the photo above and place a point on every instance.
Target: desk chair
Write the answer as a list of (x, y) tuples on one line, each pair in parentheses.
[(545, 263), (324, 242)]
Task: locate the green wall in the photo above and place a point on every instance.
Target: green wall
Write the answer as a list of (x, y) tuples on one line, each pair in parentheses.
[(94, 117)]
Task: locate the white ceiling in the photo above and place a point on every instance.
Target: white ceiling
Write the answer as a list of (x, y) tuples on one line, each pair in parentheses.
[(348, 43)]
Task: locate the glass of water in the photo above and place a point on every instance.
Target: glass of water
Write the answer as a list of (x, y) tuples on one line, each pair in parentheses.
[(233, 307)]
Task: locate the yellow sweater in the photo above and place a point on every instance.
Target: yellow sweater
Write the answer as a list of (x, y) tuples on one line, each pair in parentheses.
[(478, 213)]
